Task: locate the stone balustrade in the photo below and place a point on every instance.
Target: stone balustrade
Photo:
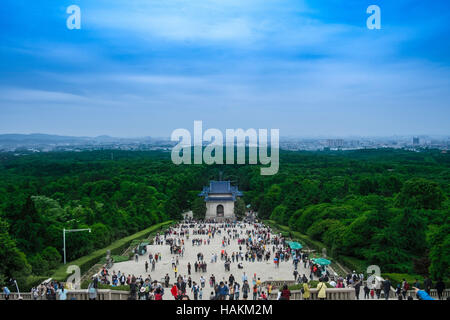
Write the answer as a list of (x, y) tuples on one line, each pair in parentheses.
[(332, 294), (106, 294), (102, 294)]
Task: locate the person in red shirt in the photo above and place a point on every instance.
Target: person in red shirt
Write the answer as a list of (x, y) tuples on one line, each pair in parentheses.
[(174, 291), (285, 293)]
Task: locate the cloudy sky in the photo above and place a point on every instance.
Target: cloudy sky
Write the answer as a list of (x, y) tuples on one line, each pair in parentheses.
[(147, 67)]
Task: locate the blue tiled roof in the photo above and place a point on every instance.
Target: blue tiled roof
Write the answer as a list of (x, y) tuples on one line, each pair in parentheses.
[(221, 187), (232, 198)]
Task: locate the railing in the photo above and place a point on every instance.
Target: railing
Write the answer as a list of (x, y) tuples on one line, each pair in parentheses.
[(106, 294), (433, 293), (331, 293), (102, 294), (278, 283)]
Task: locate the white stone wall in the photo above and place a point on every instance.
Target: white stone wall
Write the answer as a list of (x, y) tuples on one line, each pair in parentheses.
[(211, 209)]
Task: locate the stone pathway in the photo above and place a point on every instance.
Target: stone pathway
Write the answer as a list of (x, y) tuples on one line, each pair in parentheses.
[(264, 270)]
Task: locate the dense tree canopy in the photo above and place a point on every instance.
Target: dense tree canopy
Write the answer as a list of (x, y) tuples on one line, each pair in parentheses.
[(387, 207)]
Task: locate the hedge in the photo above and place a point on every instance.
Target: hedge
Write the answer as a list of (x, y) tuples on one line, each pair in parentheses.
[(354, 264), (305, 240), (30, 282), (85, 285), (116, 248)]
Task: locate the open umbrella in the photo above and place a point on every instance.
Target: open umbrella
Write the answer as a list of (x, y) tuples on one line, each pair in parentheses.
[(322, 261), (295, 245)]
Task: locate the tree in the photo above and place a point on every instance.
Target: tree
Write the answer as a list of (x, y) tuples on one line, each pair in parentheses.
[(101, 236), (419, 193), (39, 265), (13, 261), (279, 214), (52, 256), (439, 241), (172, 210), (411, 228), (239, 208), (199, 208), (270, 201)]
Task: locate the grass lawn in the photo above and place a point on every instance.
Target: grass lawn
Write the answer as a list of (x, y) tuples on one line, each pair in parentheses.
[(89, 260)]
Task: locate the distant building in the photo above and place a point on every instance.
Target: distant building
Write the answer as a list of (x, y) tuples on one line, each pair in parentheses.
[(335, 143), (220, 197), (416, 141)]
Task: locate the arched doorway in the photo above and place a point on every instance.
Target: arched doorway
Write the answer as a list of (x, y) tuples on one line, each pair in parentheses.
[(219, 210)]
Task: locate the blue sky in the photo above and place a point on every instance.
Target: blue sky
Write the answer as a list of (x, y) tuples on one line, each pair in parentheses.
[(144, 67)]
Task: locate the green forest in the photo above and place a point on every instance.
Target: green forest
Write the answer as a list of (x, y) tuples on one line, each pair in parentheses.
[(385, 207)]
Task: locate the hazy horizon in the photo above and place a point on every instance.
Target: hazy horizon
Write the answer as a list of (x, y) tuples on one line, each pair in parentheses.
[(281, 136)]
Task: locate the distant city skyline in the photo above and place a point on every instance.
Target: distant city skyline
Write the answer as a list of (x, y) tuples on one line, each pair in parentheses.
[(145, 68)]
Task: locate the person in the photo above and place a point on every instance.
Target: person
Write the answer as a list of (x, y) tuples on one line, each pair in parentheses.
[(158, 293), (223, 291), (231, 292), (306, 292), (378, 285), (285, 293), (92, 291), (62, 293), (269, 290), (236, 290), (146, 266), (366, 291), (195, 289), (357, 287), (166, 280), (440, 287), (263, 296), (322, 290), (6, 292), (202, 281), (35, 293), (422, 294), (428, 284), (405, 288), (142, 293), (245, 290), (174, 291), (133, 289), (398, 290), (386, 288)]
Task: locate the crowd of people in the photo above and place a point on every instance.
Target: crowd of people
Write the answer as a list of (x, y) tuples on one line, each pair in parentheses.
[(255, 244), (252, 243)]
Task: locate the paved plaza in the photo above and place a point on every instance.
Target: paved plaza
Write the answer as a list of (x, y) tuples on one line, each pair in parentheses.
[(265, 270)]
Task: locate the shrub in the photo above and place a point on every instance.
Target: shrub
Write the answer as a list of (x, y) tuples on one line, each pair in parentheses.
[(52, 256), (38, 264)]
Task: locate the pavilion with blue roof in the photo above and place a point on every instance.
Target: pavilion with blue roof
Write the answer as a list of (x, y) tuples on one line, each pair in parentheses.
[(220, 197)]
